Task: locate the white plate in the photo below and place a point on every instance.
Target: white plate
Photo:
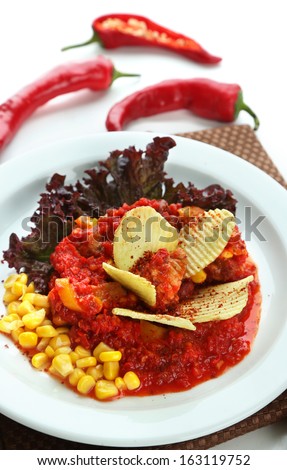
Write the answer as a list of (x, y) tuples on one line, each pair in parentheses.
[(40, 402)]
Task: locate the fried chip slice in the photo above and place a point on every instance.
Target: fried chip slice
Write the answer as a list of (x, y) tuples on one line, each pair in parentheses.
[(218, 302), (142, 229), (143, 288), (212, 303), (204, 240), (163, 319)]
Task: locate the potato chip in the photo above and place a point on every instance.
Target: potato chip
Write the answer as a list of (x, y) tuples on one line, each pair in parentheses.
[(206, 238), (212, 303), (158, 318), (143, 288), (218, 302), (142, 229)]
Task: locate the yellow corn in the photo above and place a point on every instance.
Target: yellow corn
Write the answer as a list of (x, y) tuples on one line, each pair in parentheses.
[(74, 357), (199, 278), (75, 376), (63, 364), (111, 370), (105, 389), (46, 331), (131, 380), (101, 347), (10, 322), (97, 371), (63, 350), (23, 278), (8, 297), (107, 356), (18, 289), (13, 307), (15, 334), (25, 307), (8, 283), (39, 300), (40, 360), (28, 339), (120, 384), (34, 319), (86, 384), (30, 288), (62, 329), (226, 254), (49, 350), (82, 352), (43, 343), (60, 340), (89, 361)]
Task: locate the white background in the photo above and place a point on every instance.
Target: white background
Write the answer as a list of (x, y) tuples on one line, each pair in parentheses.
[(250, 36)]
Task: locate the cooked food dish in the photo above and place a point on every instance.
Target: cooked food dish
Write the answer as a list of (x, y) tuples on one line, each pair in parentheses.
[(155, 294)]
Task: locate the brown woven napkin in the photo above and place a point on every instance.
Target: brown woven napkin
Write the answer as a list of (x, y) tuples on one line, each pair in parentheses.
[(241, 141)]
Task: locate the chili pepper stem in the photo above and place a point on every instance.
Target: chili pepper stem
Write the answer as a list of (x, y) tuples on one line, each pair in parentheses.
[(241, 106), (93, 39), (118, 74)]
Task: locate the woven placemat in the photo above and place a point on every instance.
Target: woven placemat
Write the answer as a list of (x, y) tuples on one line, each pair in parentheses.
[(241, 141)]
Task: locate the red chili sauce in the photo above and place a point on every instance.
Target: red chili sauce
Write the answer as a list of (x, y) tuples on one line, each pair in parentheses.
[(166, 359)]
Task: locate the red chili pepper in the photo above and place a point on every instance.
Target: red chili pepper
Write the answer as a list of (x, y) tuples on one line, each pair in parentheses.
[(96, 74), (205, 98), (116, 30)]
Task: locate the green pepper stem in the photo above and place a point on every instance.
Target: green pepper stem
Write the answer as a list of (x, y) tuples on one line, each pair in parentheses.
[(93, 39), (246, 108), (117, 74), (241, 106)]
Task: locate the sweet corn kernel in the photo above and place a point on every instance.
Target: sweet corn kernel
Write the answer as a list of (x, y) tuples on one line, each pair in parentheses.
[(30, 288), (28, 339), (13, 306), (63, 364), (111, 370), (107, 356), (63, 350), (199, 277), (49, 350), (86, 384), (10, 323), (8, 283), (62, 329), (8, 297), (26, 307), (23, 278), (226, 254), (82, 352), (15, 334), (46, 331), (101, 347), (18, 289), (120, 384), (131, 380), (74, 357), (40, 360), (97, 371), (39, 300), (60, 340), (47, 322), (34, 319), (43, 343), (75, 376), (105, 389), (89, 361)]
